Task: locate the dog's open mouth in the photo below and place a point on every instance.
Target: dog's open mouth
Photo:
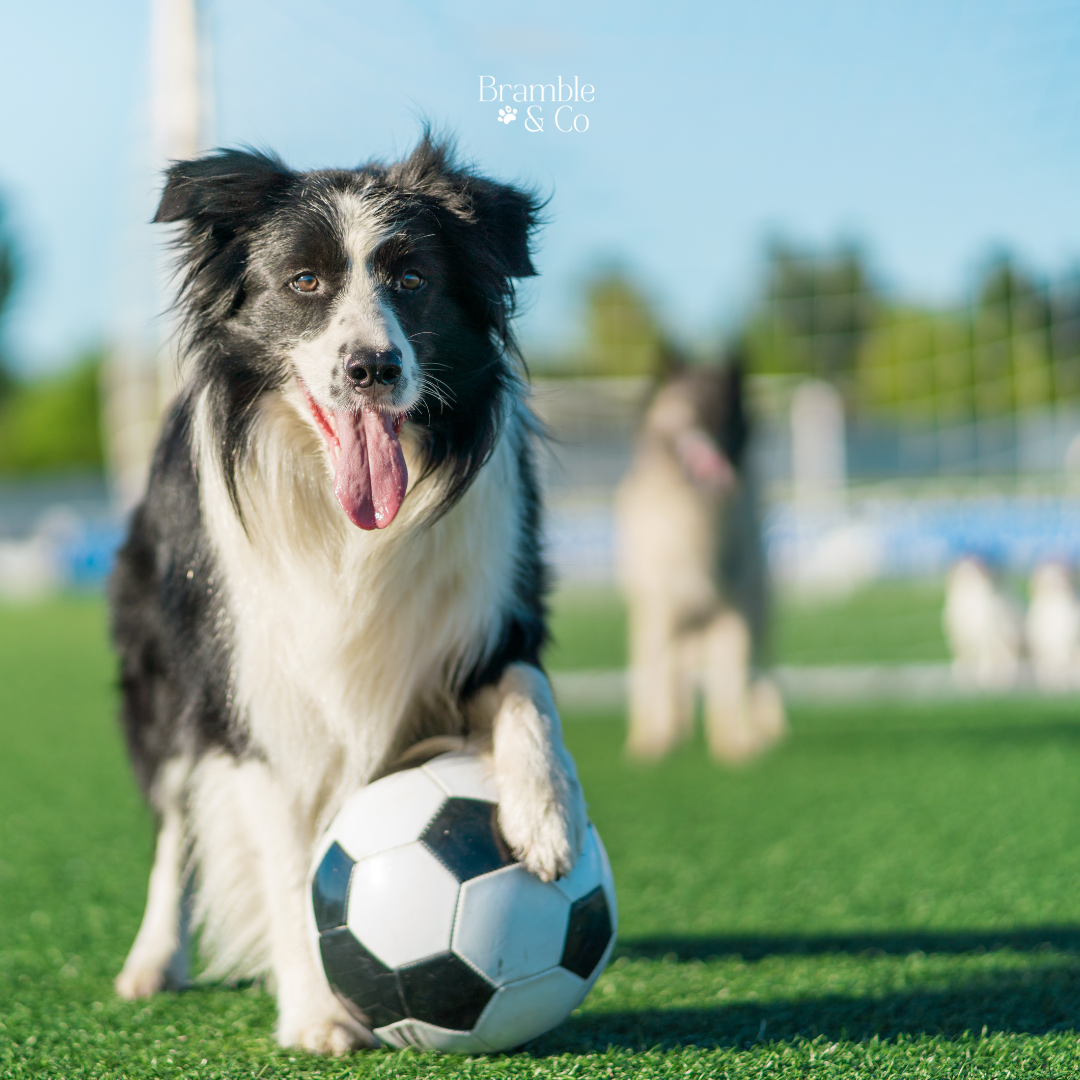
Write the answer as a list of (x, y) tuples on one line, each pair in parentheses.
[(370, 476)]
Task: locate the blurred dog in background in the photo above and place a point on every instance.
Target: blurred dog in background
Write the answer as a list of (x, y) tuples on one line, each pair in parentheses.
[(692, 569), (1052, 627), (983, 627)]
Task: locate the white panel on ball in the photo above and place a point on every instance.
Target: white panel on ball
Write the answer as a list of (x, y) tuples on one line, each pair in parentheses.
[(465, 776), (401, 904), (510, 924), (587, 871), (391, 812), (426, 1036), (522, 1010), (607, 879)]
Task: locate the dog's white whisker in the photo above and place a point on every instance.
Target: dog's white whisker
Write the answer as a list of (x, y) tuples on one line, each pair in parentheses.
[(437, 388)]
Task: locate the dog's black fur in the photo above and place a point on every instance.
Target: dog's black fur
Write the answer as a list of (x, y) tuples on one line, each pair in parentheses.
[(717, 390)]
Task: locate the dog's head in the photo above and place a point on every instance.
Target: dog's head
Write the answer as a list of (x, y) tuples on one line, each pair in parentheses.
[(698, 415), (380, 294)]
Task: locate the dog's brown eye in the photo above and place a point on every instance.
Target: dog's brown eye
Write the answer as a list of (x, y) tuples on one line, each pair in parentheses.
[(305, 283), (411, 280)]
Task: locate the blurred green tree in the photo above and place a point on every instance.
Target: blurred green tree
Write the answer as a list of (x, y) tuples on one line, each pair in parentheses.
[(1065, 335), (8, 275), (1011, 340), (54, 423), (917, 363), (1016, 347), (624, 335), (50, 423), (816, 310)]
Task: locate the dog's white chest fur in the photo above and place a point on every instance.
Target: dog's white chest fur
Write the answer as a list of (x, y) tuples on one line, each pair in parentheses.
[(346, 640), (668, 534)]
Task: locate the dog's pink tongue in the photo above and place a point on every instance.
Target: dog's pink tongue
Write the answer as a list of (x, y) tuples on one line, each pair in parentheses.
[(370, 476)]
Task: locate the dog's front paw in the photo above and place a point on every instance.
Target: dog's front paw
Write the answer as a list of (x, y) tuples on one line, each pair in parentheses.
[(139, 980), (331, 1032), (541, 808), (545, 825), (767, 710)]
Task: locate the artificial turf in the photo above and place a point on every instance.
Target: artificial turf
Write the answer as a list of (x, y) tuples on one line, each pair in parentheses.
[(888, 621), (893, 892)]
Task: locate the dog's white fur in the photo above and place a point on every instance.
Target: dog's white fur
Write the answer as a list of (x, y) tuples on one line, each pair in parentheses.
[(684, 633), (343, 639), (982, 626)]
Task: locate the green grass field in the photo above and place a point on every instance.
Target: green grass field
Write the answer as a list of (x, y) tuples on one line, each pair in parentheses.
[(894, 892), (888, 621)]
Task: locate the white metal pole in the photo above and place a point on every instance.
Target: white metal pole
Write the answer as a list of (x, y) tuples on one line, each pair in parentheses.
[(141, 375)]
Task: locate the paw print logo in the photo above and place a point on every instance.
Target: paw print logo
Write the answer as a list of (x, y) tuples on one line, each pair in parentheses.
[(507, 115)]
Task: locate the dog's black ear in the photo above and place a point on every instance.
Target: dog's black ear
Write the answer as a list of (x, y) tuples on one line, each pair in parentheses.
[(226, 185), (507, 217), (219, 199), (498, 220)]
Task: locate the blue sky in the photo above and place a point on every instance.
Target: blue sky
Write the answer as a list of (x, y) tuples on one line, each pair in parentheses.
[(931, 132)]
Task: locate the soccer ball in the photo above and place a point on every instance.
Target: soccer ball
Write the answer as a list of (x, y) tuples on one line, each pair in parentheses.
[(431, 933)]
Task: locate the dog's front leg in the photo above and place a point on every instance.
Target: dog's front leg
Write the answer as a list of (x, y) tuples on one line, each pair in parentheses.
[(661, 708), (541, 807), (158, 958), (743, 716), (309, 1015)]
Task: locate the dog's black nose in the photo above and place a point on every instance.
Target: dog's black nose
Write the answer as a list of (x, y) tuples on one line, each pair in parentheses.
[(368, 367)]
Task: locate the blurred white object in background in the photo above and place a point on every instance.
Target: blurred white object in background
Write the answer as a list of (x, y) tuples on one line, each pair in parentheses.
[(1072, 455), (1052, 627), (833, 555), (27, 569), (836, 563), (818, 455), (982, 627), (33, 567)]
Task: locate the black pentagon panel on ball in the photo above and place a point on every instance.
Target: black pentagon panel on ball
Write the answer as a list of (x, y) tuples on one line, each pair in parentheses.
[(361, 979), (330, 888), (444, 990), (588, 933), (464, 836)]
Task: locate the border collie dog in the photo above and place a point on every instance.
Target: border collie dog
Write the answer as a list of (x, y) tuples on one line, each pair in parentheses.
[(338, 553), (693, 572)]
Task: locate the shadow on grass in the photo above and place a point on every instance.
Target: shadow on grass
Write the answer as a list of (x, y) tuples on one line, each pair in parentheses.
[(1033, 1003), (890, 943)]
